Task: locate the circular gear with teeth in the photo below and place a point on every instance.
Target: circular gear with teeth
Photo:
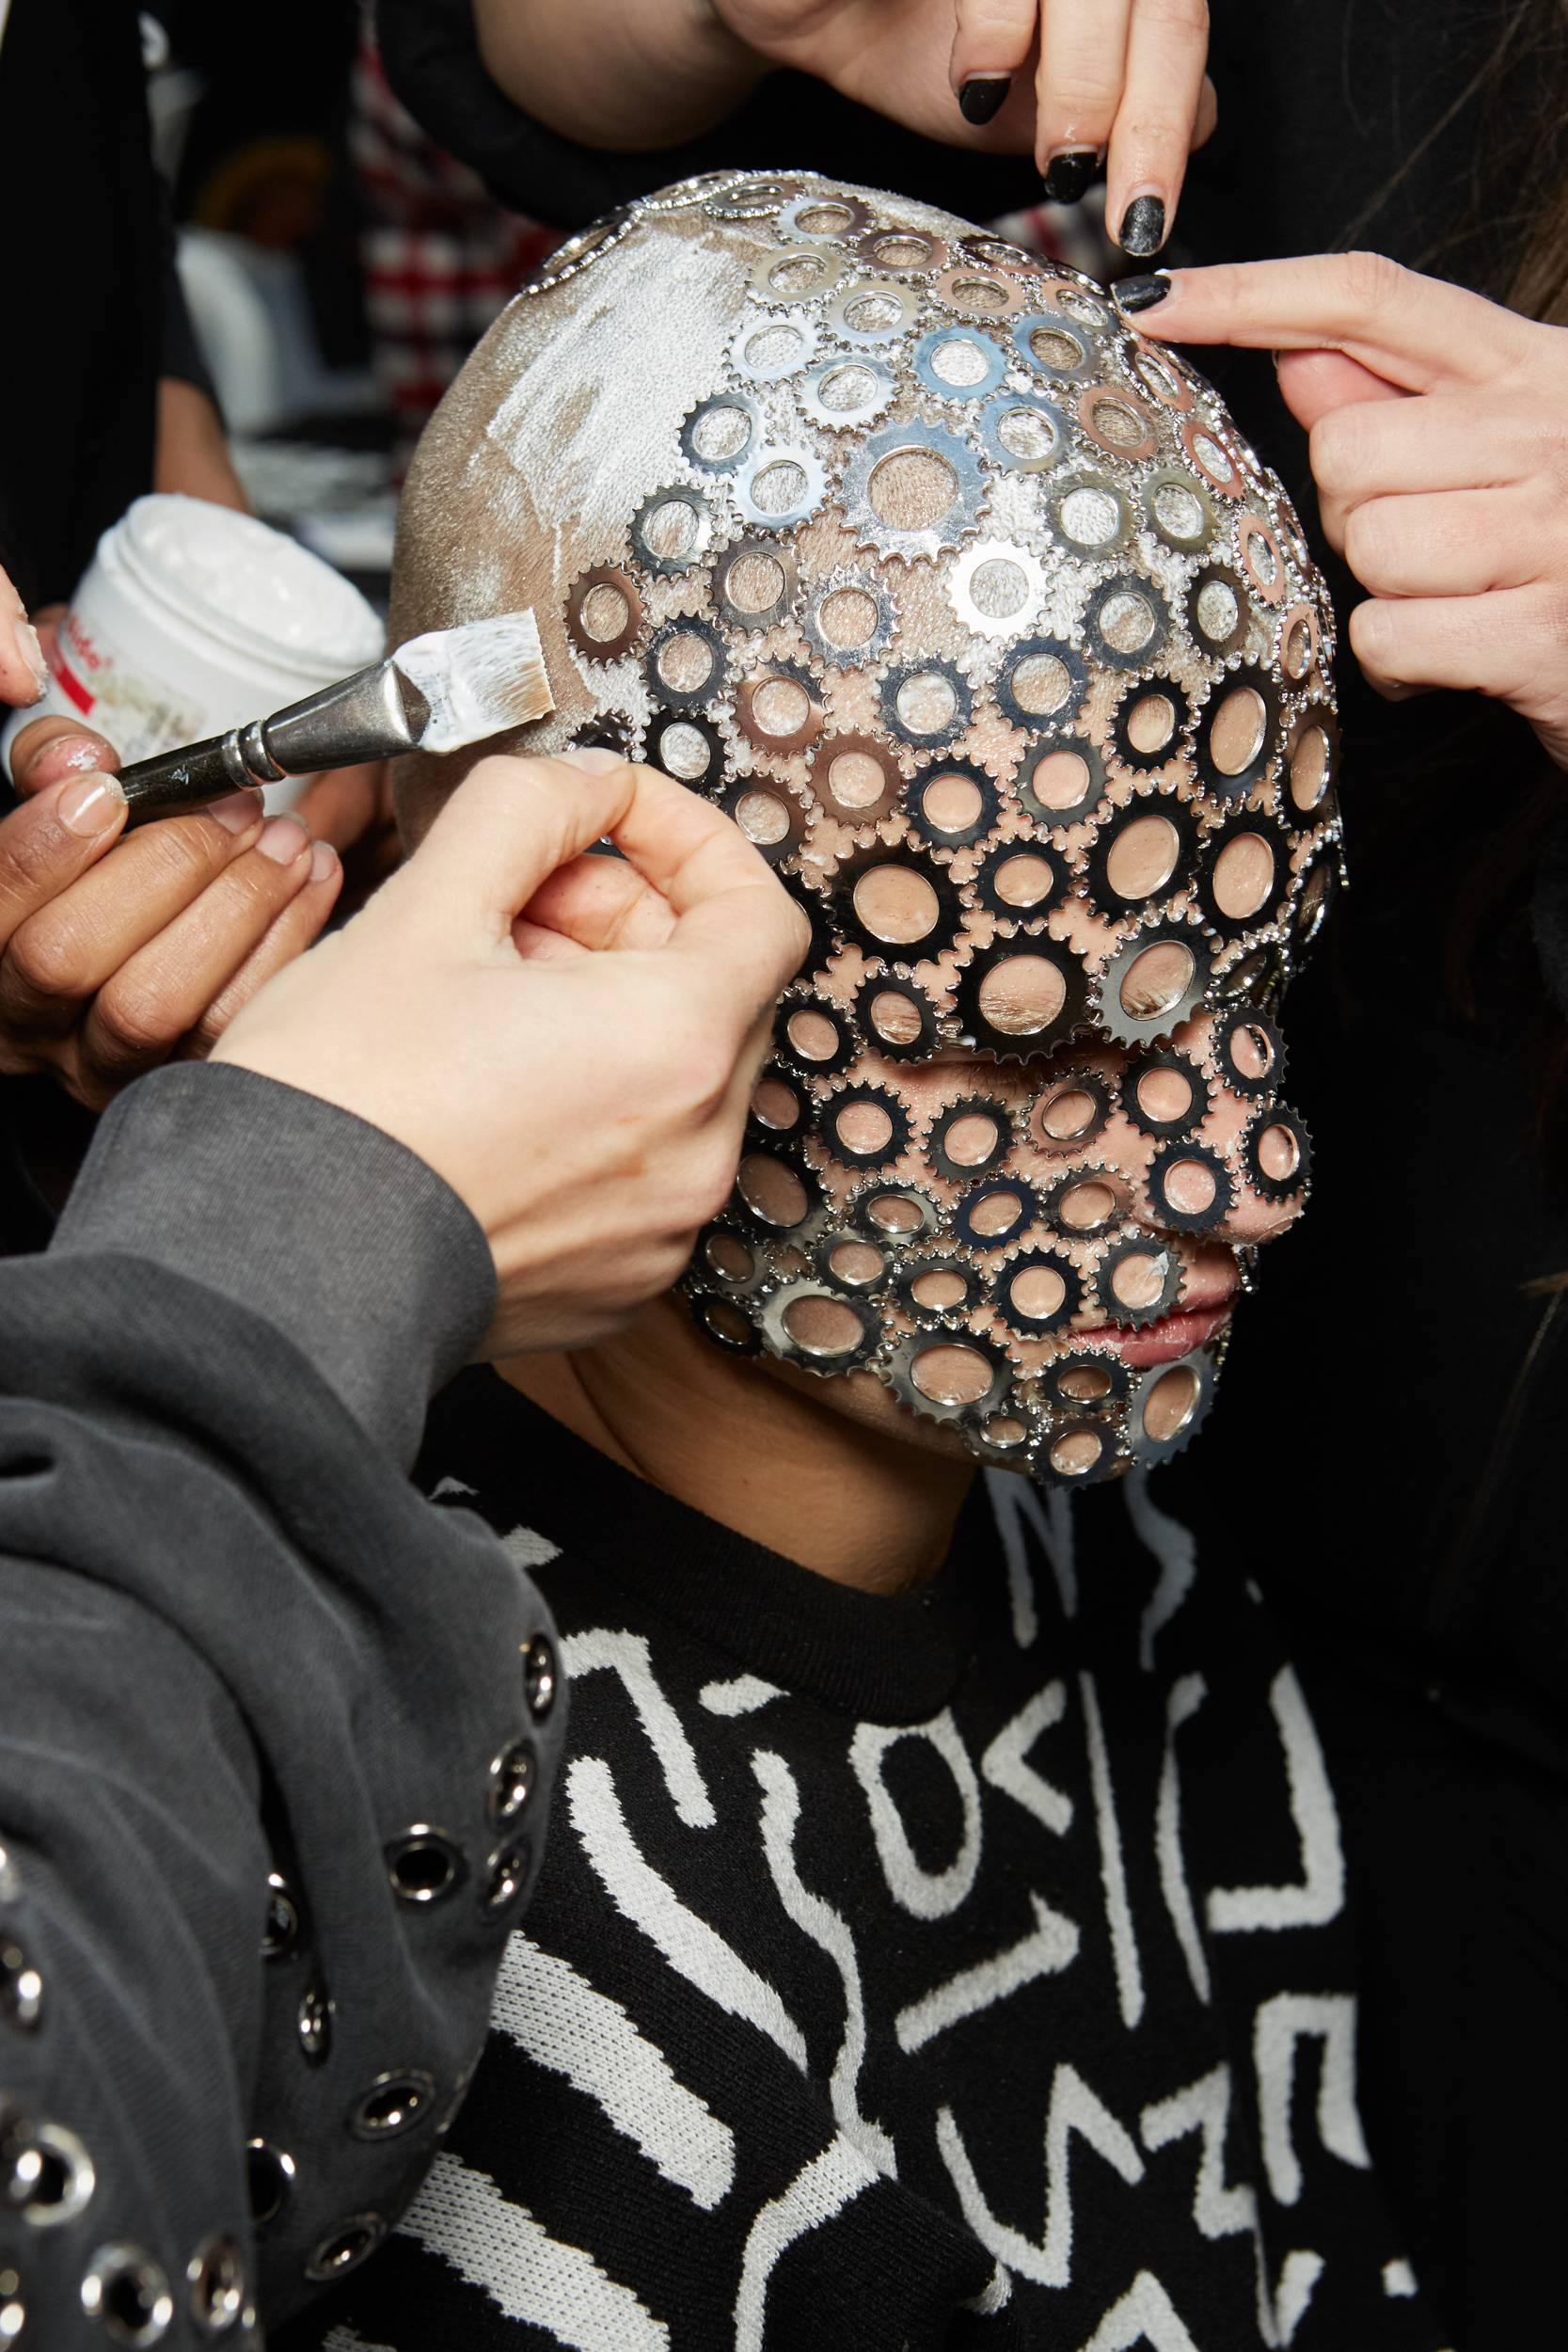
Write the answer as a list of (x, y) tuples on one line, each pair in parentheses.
[(1218, 614), (1022, 881), (778, 1198), (980, 569), (893, 1215), (668, 690), (856, 778), (1089, 1379), (1141, 1004), (1246, 860), (913, 693), (771, 345), (952, 804), (1179, 1121), (1042, 666), (948, 526), (1036, 1293), (858, 652), (884, 1107), (1016, 1208), (1249, 1053), (954, 1286), (847, 1261), (1287, 1170), (754, 618), (1157, 1291), (754, 708), (1177, 1193), (1079, 1452), (979, 1106), (1061, 782), (1138, 710), (1073, 1129), (1233, 746), (767, 812), (1023, 997), (684, 744), (981, 363), (689, 546), (1141, 858), (725, 1320), (897, 903), (903, 1370), (1007, 1438), (1169, 1405), (825, 1332), (580, 595), (1023, 432), (728, 1261), (719, 405), (845, 390), (1089, 1202), (823, 942), (1127, 621), (812, 1035), (906, 1027), (798, 504)]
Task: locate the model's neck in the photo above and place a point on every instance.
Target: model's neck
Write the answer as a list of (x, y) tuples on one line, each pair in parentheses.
[(756, 1450)]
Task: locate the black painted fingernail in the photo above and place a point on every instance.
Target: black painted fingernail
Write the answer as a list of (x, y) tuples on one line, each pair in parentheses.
[(1143, 227), (1068, 175), (1141, 294), (981, 96)]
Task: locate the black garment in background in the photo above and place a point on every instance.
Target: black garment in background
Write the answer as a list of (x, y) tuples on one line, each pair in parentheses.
[(78, 385)]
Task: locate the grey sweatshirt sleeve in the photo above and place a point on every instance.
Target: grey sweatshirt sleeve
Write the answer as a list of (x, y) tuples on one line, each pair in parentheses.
[(277, 1736)]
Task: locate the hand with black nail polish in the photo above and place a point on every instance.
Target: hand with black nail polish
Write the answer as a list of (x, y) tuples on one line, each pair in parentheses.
[(975, 73)]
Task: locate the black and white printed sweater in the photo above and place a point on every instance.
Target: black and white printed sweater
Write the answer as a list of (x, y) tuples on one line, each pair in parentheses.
[(971, 1970)]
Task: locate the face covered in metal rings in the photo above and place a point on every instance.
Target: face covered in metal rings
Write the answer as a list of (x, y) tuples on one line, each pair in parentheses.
[(982, 620)]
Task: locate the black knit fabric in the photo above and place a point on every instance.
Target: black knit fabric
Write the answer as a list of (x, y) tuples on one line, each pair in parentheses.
[(967, 1970)]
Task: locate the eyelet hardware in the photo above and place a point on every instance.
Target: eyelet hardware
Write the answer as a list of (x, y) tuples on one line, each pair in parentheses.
[(215, 2282), (424, 1864), (539, 1678), (346, 2247), (126, 2291), (394, 2103)]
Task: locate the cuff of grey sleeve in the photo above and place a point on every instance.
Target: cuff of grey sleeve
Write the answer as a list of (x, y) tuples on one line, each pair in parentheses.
[(340, 1237)]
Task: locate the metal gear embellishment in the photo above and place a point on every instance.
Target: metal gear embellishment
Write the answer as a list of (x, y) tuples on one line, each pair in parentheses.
[(977, 615), (920, 472)]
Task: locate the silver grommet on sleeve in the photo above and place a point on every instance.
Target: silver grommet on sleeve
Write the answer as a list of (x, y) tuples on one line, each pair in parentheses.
[(346, 2248), (215, 2276), (13, 2308), (506, 1876), (45, 2173), (539, 1678), (394, 2103), (512, 1777), (424, 1864), (125, 2290)]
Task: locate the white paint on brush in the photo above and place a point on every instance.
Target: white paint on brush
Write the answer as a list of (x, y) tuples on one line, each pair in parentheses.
[(478, 681)]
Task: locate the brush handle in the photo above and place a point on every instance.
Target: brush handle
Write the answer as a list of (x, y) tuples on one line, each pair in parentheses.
[(374, 715)]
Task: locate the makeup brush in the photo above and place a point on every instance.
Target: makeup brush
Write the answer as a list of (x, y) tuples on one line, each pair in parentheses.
[(439, 692)]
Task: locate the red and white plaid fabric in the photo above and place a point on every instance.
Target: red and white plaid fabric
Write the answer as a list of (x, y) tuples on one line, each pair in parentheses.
[(441, 259)]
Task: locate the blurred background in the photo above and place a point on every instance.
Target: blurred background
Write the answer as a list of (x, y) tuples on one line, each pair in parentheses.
[(339, 267)]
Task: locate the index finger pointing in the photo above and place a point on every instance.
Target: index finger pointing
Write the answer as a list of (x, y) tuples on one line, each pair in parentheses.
[(1414, 331)]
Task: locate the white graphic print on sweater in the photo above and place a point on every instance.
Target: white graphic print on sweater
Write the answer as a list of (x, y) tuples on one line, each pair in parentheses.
[(1025, 2020)]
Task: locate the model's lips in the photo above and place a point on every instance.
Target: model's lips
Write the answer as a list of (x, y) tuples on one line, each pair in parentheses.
[(1159, 1342)]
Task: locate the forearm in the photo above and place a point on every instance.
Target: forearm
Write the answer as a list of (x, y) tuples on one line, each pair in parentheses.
[(617, 74)]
